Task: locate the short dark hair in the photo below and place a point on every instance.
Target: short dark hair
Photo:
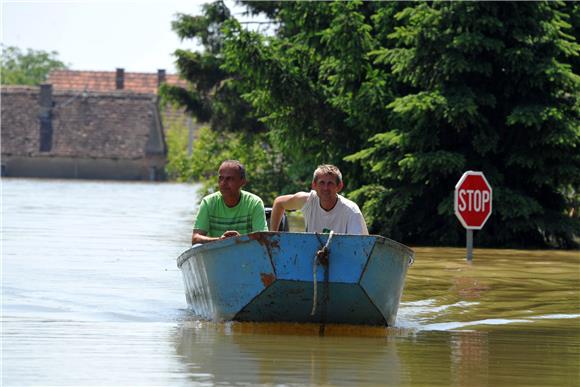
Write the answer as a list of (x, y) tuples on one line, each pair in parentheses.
[(236, 163), (327, 169)]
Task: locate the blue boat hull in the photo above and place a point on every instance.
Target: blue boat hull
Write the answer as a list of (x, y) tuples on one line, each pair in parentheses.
[(270, 276)]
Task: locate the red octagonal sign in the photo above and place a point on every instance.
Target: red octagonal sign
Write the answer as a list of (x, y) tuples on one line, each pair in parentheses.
[(472, 200)]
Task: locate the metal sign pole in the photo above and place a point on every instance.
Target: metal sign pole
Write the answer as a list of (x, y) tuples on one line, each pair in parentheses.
[(469, 243), (472, 201)]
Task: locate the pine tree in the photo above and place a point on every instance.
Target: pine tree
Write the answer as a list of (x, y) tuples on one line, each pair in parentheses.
[(404, 97), (490, 90)]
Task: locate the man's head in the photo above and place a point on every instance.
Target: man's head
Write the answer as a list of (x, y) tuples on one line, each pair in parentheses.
[(327, 169), (327, 181), (231, 178)]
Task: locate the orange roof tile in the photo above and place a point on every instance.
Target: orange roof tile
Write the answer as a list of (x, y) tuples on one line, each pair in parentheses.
[(106, 81)]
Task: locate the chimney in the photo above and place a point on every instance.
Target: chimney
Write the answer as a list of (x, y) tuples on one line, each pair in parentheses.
[(120, 79), (45, 117), (160, 77)]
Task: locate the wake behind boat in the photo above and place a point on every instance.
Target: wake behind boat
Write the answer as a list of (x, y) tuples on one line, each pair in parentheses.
[(297, 277)]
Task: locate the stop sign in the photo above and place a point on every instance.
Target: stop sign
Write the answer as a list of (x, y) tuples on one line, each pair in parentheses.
[(472, 200)]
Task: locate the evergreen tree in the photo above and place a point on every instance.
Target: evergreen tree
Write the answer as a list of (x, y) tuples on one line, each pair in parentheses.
[(404, 97), (489, 89), (214, 97), (313, 82), (436, 89)]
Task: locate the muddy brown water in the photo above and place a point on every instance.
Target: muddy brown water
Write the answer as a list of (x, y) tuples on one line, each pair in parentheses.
[(91, 295)]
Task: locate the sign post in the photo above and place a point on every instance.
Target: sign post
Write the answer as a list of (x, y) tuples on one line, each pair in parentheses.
[(472, 201)]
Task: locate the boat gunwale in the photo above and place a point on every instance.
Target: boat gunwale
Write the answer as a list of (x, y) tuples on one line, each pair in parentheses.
[(223, 243)]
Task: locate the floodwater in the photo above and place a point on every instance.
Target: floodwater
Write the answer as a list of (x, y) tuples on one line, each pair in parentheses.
[(91, 295)]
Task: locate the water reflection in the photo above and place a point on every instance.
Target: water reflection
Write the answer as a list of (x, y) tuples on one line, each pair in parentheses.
[(470, 358), (273, 354), (239, 353)]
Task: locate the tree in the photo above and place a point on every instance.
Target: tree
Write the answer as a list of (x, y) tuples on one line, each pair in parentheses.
[(417, 93), (491, 91), (404, 97), (313, 83), (214, 97), (30, 68)]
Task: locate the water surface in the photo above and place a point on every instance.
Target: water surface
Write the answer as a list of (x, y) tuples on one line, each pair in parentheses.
[(91, 295)]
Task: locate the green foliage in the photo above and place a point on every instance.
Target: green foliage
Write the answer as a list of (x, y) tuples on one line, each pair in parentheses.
[(490, 90), (404, 97), (214, 97), (312, 83), (265, 169), (416, 93), (177, 137), (30, 68)]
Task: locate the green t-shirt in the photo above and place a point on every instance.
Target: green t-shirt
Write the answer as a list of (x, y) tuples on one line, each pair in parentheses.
[(215, 218)]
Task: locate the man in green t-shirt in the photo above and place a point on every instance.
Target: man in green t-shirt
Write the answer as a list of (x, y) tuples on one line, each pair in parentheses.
[(231, 211)]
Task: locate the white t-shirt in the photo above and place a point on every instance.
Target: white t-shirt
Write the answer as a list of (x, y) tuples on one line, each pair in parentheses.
[(344, 218)]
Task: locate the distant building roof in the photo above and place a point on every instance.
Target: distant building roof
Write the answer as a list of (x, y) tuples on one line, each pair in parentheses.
[(102, 124), (107, 81)]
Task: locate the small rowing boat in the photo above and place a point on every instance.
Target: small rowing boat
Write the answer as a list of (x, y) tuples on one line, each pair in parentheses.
[(297, 277)]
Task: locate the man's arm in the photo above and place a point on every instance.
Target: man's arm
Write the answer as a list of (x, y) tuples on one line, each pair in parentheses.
[(286, 202), (201, 225), (200, 236)]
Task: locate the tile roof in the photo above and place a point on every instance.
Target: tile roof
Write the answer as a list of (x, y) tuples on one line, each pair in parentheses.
[(105, 81)]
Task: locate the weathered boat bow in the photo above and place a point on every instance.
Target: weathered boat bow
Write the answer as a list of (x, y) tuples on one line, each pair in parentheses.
[(272, 276)]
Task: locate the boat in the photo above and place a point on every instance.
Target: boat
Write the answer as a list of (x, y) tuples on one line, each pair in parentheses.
[(297, 277)]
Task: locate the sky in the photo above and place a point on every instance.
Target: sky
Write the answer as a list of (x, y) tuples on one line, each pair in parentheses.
[(100, 35)]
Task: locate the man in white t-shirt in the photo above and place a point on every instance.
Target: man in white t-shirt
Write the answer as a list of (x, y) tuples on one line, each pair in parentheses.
[(323, 208)]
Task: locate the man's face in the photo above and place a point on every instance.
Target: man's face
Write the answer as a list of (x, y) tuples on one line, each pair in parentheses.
[(326, 186), (230, 180)]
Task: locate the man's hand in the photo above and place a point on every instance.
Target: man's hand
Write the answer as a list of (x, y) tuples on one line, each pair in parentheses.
[(229, 234)]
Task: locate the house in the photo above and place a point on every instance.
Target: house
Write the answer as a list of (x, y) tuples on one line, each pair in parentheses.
[(87, 124)]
